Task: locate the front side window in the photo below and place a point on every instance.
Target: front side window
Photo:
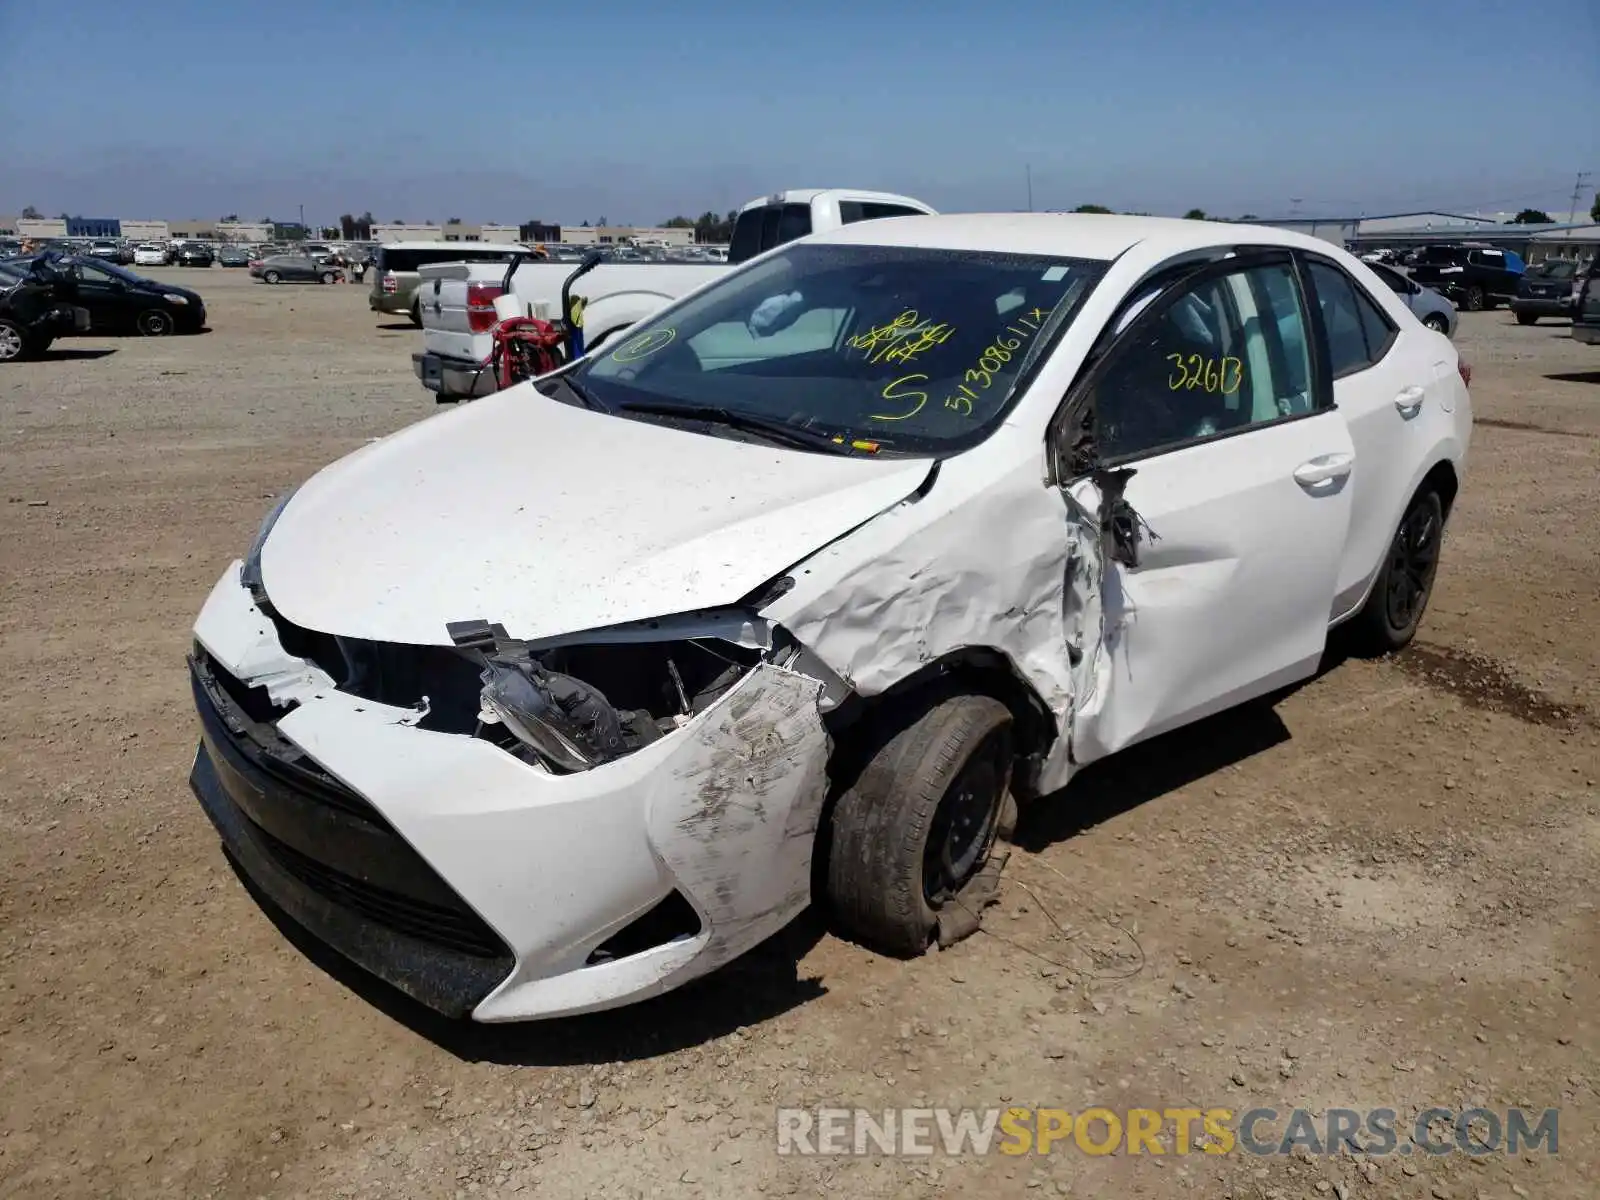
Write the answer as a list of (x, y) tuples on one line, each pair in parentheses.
[(1358, 332), (1219, 356), (883, 349)]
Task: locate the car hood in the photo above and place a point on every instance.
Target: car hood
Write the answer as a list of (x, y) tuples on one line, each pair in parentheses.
[(551, 519)]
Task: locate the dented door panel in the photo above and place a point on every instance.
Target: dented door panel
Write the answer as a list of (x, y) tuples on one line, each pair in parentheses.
[(1237, 562)]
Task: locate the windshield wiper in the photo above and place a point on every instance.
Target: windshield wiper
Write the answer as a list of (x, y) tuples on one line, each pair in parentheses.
[(584, 396), (770, 428)]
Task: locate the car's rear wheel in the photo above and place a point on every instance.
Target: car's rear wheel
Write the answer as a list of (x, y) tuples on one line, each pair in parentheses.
[(1405, 581), (14, 342), (1436, 322), (1475, 299), (1526, 318), (271, 276), (153, 322), (919, 822)]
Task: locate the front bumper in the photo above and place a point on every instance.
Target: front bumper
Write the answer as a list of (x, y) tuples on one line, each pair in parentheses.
[(453, 378), (479, 883)]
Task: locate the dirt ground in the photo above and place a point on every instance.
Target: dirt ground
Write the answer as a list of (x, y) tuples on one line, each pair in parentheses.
[(1379, 890)]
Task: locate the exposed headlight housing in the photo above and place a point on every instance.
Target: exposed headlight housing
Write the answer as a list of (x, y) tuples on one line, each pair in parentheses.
[(575, 706), (250, 572)]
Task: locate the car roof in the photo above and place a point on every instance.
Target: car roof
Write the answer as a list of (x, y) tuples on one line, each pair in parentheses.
[(1066, 235)]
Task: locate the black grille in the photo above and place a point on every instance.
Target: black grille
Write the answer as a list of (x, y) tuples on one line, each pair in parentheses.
[(458, 930)]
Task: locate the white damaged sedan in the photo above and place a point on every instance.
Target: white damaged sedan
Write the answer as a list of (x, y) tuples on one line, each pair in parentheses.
[(560, 700)]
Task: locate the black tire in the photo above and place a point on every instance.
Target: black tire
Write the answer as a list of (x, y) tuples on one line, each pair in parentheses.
[(271, 277), (1527, 318), (919, 822), (416, 313), (1477, 299), (154, 322), (1389, 619), (327, 277), (1437, 322)]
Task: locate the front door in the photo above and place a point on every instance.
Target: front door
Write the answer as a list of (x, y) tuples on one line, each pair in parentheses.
[(1217, 399), (111, 303)]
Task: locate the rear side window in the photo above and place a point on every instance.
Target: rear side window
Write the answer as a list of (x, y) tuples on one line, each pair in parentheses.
[(851, 211), (1358, 332), (760, 229)]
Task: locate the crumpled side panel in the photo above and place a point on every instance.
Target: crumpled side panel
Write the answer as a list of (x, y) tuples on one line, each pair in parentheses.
[(739, 822), (989, 567)]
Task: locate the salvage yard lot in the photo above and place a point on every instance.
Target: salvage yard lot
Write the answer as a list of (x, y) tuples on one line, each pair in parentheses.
[(1383, 889)]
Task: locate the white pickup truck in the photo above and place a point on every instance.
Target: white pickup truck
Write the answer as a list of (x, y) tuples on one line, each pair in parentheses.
[(457, 300)]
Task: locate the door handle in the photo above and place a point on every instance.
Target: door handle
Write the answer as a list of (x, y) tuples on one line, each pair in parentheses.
[(1409, 401), (1325, 468)]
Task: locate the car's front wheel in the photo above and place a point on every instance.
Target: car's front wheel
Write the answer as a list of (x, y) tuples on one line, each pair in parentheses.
[(1476, 299), (1436, 322), (327, 277), (153, 322), (1405, 581), (272, 277), (919, 823)]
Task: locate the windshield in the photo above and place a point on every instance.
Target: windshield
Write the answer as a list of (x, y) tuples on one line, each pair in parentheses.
[(882, 349), (1556, 269)]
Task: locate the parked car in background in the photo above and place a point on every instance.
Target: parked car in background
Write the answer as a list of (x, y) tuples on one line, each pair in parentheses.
[(233, 256), (1586, 305), (1474, 277), (113, 251), (395, 266), (36, 307), (121, 302), (295, 267), (196, 255), (792, 592), (1548, 289), (457, 300), (148, 254), (1432, 309)]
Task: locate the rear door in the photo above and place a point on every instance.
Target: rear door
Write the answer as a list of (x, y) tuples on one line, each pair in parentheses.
[(1389, 387), (1234, 510)]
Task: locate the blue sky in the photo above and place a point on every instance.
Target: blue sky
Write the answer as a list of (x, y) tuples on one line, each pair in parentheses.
[(427, 109)]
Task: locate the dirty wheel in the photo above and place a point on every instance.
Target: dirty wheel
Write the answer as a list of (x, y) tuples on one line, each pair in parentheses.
[(919, 823), (152, 322), (1475, 299), (1400, 593)]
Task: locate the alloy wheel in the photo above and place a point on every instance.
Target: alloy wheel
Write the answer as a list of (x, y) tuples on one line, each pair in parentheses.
[(1413, 558)]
